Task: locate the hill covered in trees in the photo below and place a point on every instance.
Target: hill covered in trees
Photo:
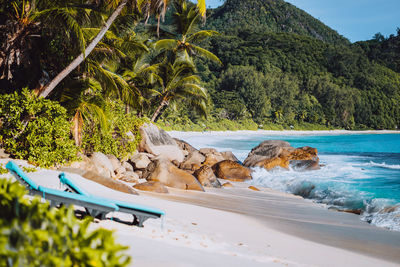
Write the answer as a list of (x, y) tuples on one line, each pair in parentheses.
[(271, 16), (282, 66)]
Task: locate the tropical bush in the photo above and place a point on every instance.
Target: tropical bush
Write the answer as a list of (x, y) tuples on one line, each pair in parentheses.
[(118, 136), (34, 235), (35, 129)]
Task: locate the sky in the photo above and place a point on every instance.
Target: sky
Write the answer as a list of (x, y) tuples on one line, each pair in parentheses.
[(356, 20)]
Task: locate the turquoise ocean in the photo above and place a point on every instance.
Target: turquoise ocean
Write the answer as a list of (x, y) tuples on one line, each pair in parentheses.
[(361, 171)]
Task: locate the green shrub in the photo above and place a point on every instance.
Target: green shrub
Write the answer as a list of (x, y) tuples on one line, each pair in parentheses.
[(120, 137), (31, 234), (45, 139), (3, 170)]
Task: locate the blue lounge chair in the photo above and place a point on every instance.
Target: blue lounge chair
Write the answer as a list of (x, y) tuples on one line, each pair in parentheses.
[(139, 212), (95, 207)]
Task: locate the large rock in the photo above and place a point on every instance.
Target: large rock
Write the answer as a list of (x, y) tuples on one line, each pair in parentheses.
[(213, 156), (114, 162), (152, 186), (305, 165), (229, 156), (140, 161), (207, 150), (185, 146), (3, 154), (102, 165), (193, 160), (231, 170), (130, 177), (276, 153), (157, 142), (97, 163), (162, 170), (128, 167), (212, 159), (206, 177)]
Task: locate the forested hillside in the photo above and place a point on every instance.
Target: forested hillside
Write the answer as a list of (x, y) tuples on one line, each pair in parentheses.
[(269, 15), (281, 66)]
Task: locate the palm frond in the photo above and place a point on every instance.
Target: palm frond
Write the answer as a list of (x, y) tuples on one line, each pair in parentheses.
[(165, 44), (67, 16), (205, 53), (201, 36)]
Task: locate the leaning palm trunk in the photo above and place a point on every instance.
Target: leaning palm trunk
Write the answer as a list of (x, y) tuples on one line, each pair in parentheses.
[(77, 61), (159, 109)]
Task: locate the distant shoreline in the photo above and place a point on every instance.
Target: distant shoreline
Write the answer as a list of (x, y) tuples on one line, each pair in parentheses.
[(283, 132)]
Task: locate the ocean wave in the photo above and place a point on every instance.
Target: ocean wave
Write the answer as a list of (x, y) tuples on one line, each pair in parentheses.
[(382, 213), (326, 187), (383, 165)]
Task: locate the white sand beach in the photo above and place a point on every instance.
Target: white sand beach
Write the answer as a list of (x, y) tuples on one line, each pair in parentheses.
[(240, 227)]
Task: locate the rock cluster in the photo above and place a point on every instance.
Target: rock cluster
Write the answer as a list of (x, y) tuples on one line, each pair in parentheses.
[(162, 161)]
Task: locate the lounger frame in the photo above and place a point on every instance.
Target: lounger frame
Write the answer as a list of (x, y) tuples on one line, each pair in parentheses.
[(93, 206), (139, 215)]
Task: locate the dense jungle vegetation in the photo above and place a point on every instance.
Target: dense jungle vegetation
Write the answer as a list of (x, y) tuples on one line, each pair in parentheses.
[(283, 67)]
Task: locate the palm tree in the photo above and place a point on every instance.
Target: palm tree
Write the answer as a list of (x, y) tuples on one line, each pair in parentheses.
[(20, 35), (148, 7), (187, 35), (141, 78), (178, 82), (84, 105)]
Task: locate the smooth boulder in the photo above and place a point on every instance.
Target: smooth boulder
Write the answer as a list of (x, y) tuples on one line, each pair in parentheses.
[(162, 170), (114, 162), (193, 160), (276, 153), (140, 161), (206, 177), (152, 186), (128, 167), (229, 156), (231, 170), (130, 177), (157, 142), (102, 164)]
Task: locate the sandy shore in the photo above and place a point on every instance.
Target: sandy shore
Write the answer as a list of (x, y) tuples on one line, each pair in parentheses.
[(241, 227)]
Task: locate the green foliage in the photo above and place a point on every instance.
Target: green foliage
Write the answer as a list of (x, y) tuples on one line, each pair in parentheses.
[(269, 15), (302, 79), (121, 135), (383, 50), (29, 169), (3, 170), (34, 235), (211, 124), (35, 129), (248, 84)]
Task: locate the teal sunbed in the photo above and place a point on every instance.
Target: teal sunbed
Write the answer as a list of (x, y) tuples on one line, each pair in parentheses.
[(139, 212), (95, 207)]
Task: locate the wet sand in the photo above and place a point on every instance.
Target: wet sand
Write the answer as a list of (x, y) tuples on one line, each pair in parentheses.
[(296, 216)]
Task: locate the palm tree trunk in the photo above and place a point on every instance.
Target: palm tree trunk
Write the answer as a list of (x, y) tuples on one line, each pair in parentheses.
[(158, 110), (77, 61)]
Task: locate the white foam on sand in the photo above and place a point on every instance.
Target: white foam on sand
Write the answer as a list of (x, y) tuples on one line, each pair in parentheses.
[(199, 236)]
